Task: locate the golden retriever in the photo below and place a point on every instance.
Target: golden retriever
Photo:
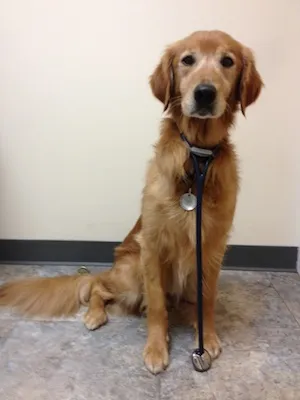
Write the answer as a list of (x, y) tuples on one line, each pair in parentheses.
[(203, 80)]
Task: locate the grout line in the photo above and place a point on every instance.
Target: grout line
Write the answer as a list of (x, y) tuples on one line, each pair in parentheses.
[(287, 307)]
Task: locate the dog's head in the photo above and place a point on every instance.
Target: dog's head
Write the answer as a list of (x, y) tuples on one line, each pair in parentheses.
[(206, 74)]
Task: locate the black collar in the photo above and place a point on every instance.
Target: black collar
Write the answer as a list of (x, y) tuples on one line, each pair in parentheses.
[(199, 151)]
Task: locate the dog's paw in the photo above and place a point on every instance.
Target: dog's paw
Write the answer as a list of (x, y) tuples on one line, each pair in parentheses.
[(156, 356), (212, 344), (94, 319)]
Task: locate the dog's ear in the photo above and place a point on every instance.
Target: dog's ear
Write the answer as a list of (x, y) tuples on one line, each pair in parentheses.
[(162, 80), (250, 84)]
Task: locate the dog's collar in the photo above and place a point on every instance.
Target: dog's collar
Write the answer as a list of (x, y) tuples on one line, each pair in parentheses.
[(197, 151), (203, 155), (200, 151)]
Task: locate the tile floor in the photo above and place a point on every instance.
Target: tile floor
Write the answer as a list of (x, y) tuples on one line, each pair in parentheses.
[(258, 319)]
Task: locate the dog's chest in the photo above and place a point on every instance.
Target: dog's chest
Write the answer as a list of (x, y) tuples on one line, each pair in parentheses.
[(182, 221), (179, 275)]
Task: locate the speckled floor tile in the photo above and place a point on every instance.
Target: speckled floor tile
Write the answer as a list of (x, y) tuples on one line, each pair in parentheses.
[(65, 361), (6, 327), (248, 300), (253, 375), (54, 270), (288, 288), (9, 272), (256, 318), (269, 370)]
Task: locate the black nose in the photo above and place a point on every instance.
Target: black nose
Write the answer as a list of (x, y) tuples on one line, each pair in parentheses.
[(205, 95)]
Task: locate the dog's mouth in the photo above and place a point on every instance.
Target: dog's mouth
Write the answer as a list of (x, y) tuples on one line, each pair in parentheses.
[(207, 112)]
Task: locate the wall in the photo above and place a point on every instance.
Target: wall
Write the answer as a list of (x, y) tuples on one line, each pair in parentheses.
[(78, 121)]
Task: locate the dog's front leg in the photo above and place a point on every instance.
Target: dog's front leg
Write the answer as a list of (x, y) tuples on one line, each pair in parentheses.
[(156, 355), (189, 310)]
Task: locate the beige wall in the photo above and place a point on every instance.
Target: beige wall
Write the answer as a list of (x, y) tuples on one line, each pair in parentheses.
[(77, 119)]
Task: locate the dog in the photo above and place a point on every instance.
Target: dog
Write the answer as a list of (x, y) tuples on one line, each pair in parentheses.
[(202, 80)]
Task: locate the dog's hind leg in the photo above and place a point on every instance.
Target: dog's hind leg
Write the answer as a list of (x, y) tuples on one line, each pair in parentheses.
[(121, 287), (96, 314)]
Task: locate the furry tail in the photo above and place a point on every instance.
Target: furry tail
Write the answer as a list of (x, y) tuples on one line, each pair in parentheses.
[(47, 297)]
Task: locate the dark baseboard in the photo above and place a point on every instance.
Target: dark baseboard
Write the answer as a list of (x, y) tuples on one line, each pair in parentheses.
[(267, 258)]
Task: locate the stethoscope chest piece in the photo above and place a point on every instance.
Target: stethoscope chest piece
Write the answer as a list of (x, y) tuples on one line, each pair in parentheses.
[(201, 362), (188, 201)]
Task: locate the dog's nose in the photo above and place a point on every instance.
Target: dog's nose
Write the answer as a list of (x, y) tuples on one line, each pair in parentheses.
[(205, 95)]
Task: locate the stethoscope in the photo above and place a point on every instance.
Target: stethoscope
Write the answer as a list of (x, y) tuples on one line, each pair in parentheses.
[(201, 359)]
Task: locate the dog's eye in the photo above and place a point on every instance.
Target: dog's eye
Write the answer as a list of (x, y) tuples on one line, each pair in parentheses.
[(188, 60), (227, 62)]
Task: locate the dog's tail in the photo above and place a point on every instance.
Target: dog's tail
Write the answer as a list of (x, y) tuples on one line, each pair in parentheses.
[(49, 297)]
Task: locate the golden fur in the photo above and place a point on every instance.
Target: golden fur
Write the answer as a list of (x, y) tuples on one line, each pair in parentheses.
[(157, 258)]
